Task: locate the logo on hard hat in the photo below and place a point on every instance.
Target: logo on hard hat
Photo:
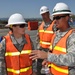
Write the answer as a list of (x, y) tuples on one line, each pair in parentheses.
[(42, 10)]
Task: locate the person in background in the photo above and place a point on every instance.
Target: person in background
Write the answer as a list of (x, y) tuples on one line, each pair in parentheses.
[(15, 49), (44, 35), (62, 58)]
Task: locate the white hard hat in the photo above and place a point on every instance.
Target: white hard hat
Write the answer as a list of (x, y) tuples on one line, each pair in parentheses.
[(61, 8), (16, 19), (44, 9)]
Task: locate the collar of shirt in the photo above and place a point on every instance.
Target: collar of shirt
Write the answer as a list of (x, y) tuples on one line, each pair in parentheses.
[(15, 41), (61, 34), (47, 24)]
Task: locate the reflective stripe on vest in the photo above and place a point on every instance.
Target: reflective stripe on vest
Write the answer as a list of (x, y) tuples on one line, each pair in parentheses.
[(50, 47), (46, 31), (49, 65), (17, 53), (18, 71), (58, 48), (44, 42), (59, 69)]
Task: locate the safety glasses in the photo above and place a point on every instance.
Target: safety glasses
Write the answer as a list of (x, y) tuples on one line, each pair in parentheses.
[(58, 17), (20, 25)]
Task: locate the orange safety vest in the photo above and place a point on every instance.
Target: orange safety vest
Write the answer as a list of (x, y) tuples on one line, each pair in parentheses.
[(18, 63), (60, 48), (45, 35)]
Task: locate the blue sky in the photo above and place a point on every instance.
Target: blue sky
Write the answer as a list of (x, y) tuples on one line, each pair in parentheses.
[(29, 8)]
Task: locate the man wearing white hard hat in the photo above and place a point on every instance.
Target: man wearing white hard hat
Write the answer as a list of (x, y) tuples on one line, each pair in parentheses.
[(62, 46), (45, 33), (15, 49)]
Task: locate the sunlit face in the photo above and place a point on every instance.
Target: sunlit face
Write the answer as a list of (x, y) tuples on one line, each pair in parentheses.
[(60, 20), (19, 29)]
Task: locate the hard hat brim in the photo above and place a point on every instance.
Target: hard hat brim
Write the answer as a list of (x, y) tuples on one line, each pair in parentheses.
[(43, 12), (58, 13), (8, 25)]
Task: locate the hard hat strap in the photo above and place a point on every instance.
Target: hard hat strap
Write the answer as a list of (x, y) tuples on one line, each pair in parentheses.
[(10, 26)]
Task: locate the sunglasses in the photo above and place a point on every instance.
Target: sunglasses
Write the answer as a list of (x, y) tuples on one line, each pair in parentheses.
[(20, 25), (58, 17)]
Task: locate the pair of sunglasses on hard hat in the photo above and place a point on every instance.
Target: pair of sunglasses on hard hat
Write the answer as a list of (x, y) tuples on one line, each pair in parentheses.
[(59, 17), (20, 25)]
